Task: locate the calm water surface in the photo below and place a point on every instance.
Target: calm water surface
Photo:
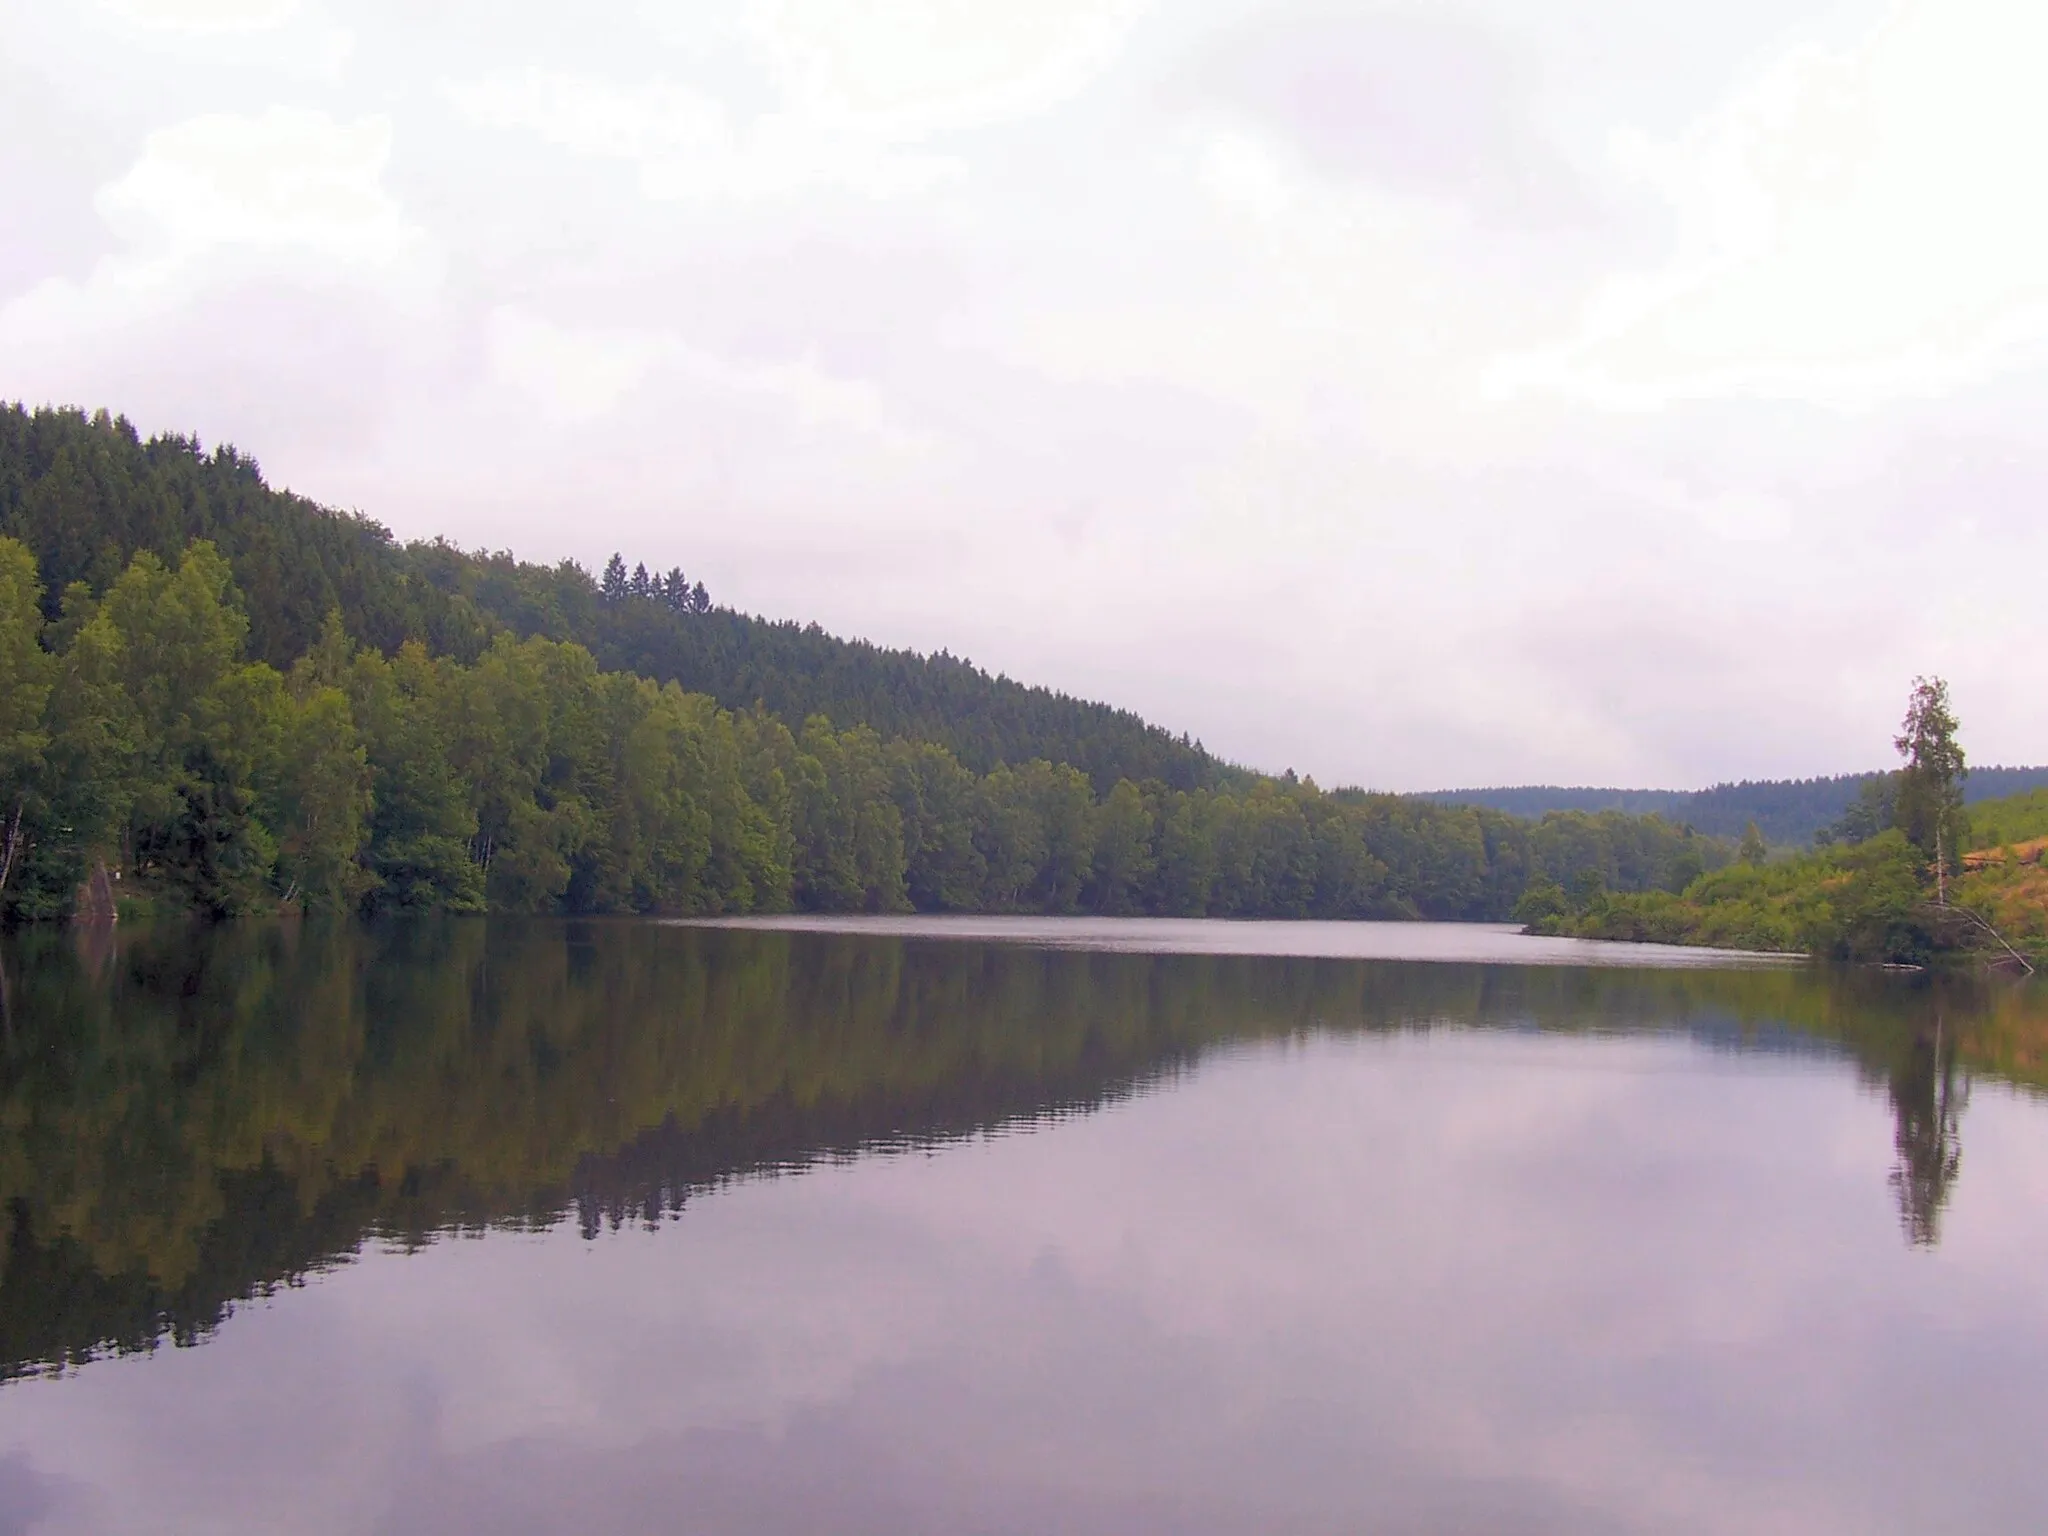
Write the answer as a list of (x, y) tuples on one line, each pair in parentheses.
[(992, 1227), (1476, 943)]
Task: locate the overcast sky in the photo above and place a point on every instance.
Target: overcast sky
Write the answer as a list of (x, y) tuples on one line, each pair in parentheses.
[(1482, 391)]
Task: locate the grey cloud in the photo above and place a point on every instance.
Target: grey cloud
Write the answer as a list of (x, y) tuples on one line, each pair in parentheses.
[(291, 377), (52, 159), (1416, 99)]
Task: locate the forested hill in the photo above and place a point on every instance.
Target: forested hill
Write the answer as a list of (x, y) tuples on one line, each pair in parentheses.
[(85, 494), (225, 700), (1789, 812)]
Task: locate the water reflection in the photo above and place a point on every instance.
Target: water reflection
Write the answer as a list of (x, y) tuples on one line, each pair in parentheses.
[(1927, 1097), (190, 1119)]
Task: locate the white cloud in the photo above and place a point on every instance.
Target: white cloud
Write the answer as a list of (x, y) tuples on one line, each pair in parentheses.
[(1855, 227), (224, 203), (205, 15), (857, 94), (288, 179), (1243, 172), (577, 374), (915, 66), (686, 144)]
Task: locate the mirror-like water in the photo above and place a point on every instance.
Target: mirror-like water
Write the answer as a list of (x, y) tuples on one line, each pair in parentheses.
[(631, 1227), (1474, 943)]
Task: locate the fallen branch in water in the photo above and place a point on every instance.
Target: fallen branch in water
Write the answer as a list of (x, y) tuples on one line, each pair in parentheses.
[(1985, 923)]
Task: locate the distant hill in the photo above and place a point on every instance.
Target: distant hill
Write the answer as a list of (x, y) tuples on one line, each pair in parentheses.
[(1787, 811), (85, 493)]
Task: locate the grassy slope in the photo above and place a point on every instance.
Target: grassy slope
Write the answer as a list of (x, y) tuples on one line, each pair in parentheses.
[(2008, 878), (2014, 819)]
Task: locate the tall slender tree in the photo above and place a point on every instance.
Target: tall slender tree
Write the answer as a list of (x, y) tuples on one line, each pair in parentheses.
[(1929, 808)]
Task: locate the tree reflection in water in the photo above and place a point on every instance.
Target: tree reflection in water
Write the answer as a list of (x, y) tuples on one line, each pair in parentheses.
[(192, 1117), (1927, 1101)]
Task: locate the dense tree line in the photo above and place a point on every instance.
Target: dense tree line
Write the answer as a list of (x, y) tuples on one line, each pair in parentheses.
[(187, 1118), (135, 731), (1789, 813), (86, 494)]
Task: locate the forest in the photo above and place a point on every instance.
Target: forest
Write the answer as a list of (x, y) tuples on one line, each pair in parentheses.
[(237, 702), (86, 494)]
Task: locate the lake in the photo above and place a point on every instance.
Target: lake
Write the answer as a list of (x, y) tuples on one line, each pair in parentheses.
[(1011, 1226)]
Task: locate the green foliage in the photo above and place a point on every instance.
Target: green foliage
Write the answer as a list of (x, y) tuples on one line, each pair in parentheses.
[(2016, 819), (530, 779), (1873, 810), (206, 730), (1869, 902), (1543, 906), (321, 801), (1122, 862), (421, 823), (25, 678), (1930, 799), (25, 670), (941, 805), (849, 830), (1752, 850)]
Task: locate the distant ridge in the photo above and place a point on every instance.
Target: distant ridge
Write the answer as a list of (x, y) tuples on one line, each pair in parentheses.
[(1786, 811)]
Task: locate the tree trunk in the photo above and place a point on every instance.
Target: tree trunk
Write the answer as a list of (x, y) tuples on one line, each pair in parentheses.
[(12, 843)]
